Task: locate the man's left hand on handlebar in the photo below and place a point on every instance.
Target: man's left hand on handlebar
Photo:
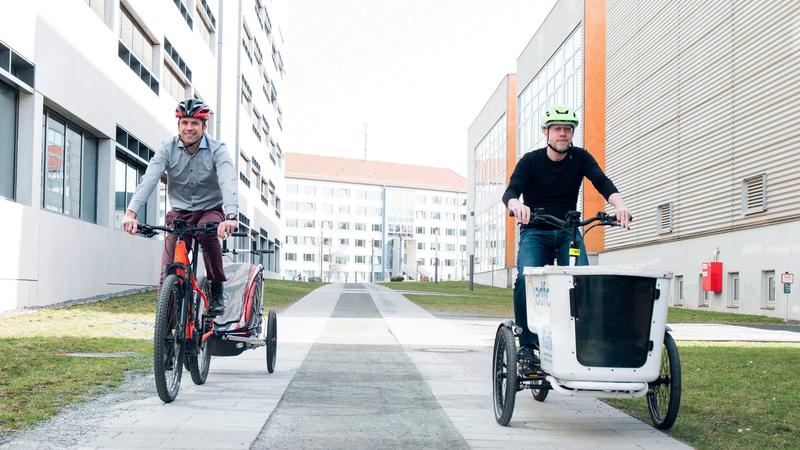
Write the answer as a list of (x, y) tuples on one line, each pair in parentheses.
[(225, 228)]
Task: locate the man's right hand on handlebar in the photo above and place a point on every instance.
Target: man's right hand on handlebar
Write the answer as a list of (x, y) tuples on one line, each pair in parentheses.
[(129, 222), (521, 212)]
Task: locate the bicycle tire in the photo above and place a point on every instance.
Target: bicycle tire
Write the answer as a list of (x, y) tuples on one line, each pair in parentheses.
[(272, 340), (504, 375), (664, 396), (167, 348), (199, 360)]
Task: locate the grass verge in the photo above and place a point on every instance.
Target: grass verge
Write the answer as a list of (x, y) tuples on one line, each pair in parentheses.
[(486, 301), (37, 378), (734, 396), (279, 294)]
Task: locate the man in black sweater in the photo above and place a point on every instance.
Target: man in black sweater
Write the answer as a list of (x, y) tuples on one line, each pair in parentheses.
[(550, 178)]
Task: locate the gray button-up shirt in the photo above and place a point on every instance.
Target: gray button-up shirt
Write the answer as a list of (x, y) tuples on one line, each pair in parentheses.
[(196, 182)]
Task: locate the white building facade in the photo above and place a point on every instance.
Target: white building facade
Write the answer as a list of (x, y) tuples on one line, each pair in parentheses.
[(87, 94), (362, 221)]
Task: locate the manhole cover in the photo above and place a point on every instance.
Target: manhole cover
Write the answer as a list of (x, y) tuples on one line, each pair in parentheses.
[(447, 350), (101, 355)]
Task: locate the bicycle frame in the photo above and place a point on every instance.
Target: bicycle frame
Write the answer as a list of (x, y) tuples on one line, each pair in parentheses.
[(186, 271)]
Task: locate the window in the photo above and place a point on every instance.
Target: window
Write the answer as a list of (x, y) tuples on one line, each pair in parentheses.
[(434, 246), (420, 246), (768, 289), (361, 226), (291, 256), (703, 296), (420, 214), (341, 193), (173, 83), (377, 243), (126, 177), (420, 230), (176, 58), (733, 289), (99, 7), (292, 188), (678, 294), (435, 215), (70, 169), (136, 49), (344, 241), (206, 31), (435, 230), (327, 224), (344, 209), (343, 225), (308, 257), (462, 232), (376, 227), (361, 243), (291, 222), (326, 191), (308, 223), (310, 190), (184, 12), (361, 259), (450, 247), (450, 216), (327, 208), (8, 140), (374, 195), (450, 231)]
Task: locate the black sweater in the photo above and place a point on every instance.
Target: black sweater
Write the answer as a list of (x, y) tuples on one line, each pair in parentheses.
[(552, 185)]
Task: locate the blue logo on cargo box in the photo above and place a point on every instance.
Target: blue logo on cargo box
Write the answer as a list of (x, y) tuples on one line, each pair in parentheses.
[(541, 294)]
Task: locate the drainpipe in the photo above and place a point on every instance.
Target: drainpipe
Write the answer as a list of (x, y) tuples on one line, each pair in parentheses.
[(237, 98), (218, 121)]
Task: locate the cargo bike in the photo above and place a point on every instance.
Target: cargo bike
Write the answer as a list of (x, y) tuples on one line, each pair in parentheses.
[(184, 335), (602, 333)]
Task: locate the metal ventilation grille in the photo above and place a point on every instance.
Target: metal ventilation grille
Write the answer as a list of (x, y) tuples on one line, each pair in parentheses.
[(754, 194), (664, 224)]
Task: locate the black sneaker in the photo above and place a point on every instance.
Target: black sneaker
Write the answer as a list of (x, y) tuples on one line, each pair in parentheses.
[(527, 361), (217, 303)]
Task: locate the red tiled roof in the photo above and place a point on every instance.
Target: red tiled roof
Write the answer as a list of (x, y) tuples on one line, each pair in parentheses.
[(328, 168)]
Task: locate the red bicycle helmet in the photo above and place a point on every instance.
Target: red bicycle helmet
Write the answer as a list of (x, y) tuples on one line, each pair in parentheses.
[(193, 107)]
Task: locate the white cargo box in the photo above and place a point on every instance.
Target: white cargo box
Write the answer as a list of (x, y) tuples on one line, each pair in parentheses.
[(598, 324)]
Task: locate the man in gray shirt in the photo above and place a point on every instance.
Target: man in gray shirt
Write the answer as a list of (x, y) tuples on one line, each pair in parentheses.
[(201, 185)]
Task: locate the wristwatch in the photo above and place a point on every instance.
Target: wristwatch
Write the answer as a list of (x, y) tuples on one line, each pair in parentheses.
[(230, 216)]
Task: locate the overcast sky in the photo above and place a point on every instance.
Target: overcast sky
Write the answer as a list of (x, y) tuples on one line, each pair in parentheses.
[(416, 71)]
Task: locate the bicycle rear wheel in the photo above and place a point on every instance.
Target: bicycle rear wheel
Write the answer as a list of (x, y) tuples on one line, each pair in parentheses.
[(199, 360), (168, 342), (272, 340)]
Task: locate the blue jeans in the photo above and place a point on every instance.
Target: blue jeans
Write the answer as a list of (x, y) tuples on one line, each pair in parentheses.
[(538, 248)]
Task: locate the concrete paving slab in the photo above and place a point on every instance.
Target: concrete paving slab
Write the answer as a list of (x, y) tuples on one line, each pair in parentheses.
[(558, 421)]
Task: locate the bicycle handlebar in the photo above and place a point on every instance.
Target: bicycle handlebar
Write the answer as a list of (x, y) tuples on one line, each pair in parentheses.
[(572, 219), (177, 228)]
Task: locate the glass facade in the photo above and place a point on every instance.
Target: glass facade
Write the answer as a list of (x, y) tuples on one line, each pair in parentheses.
[(490, 161), (560, 82), (70, 169), (490, 239), (8, 140)]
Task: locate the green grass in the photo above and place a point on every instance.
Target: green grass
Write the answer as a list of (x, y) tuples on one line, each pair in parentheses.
[(487, 301), (484, 301), (37, 379), (684, 315), (735, 396), (279, 294)]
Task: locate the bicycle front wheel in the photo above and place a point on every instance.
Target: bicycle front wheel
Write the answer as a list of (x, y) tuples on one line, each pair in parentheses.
[(168, 342), (199, 359)]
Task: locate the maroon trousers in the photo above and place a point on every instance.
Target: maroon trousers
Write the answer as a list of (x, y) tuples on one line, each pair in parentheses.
[(209, 243)]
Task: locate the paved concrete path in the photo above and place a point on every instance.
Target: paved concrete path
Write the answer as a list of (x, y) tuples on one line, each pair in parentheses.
[(359, 366)]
